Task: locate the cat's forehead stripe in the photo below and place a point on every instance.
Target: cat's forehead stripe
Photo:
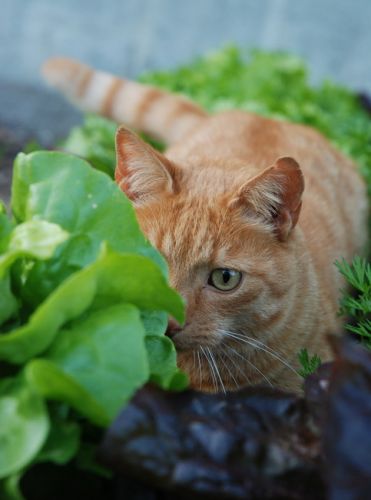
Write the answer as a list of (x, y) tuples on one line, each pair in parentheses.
[(198, 231), (190, 232)]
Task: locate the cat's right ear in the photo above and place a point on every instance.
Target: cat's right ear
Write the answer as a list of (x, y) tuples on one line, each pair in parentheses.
[(141, 172), (274, 197)]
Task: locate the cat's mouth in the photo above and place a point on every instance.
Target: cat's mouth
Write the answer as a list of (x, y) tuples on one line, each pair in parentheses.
[(181, 341)]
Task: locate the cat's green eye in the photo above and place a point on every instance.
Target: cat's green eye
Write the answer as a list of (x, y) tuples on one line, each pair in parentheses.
[(224, 279)]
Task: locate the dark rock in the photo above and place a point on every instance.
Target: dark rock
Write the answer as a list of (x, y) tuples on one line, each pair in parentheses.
[(347, 430), (257, 443)]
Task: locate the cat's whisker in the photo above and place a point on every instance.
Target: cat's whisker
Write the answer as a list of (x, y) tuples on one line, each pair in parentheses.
[(258, 345), (227, 367), (259, 342), (199, 369), (242, 373), (250, 341), (211, 369), (251, 364), (216, 369), (273, 353), (245, 336), (215, 380)]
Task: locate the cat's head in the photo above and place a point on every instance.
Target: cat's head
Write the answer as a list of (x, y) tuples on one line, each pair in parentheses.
[(227, 239)]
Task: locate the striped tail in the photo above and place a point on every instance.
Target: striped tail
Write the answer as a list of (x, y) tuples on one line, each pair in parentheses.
[(164, 116)]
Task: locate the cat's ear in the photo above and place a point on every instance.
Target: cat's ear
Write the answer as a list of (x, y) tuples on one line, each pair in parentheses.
[(275, 196), (141, 172)]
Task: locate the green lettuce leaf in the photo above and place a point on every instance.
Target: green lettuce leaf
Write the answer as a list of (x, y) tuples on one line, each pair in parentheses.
[(95, 141), (114, 278), (53, 383), (8, 303), (24, 425), (6, 227), (10, 489), (35, 238), (154, 322), (104, 355), (62, 443), (65, 190), (162, 362)]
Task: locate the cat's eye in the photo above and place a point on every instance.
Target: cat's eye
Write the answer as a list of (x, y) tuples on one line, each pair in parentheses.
[(224, 279)]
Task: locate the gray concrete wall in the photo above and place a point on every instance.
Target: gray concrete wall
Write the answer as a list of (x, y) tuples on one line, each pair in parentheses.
[(131, 36)]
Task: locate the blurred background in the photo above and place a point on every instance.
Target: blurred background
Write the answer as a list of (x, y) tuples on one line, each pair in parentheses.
[(129, 37)]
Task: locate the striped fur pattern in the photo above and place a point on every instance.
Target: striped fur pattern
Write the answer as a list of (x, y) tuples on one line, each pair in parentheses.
[(163, 116), (229, 193)]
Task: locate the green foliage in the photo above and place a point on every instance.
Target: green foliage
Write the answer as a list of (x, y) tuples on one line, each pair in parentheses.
[(86, 204), (357, 306), (83, 296), (309, 364), (95, 141), (276, 85), (62, 442), (271, 84), (24, 425)]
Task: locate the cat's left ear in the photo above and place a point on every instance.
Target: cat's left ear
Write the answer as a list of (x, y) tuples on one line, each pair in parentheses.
[(141, 172), (275, 196)]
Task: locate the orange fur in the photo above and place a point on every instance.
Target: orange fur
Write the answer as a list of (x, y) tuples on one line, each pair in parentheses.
[(220, 198)]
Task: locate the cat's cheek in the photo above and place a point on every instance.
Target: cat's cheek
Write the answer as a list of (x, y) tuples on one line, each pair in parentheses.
[(228, 304)]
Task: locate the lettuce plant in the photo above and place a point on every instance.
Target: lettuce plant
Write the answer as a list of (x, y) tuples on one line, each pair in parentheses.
[(83, 310)]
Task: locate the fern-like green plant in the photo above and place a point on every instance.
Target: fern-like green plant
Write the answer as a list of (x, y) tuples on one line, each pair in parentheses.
[(356, 305), (309, 364)]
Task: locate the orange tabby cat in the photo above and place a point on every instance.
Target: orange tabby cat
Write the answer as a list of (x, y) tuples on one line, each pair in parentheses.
[(248, 248)]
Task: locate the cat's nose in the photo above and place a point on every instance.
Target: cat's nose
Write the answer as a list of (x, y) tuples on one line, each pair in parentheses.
[(173, 327)]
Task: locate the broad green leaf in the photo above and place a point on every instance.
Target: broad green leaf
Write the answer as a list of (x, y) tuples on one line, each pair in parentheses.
[(8, 302), (5, 228), (162, 363), (62, 442), (94, 141), (154, 322), (135, 279), (51, 382), (40, 280), (65, 190), (103, 354), (24, 425), (113, 279), (9, 487), (35, 238)]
